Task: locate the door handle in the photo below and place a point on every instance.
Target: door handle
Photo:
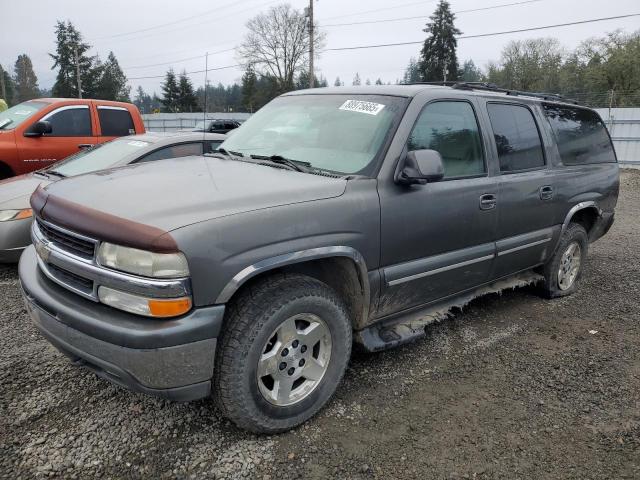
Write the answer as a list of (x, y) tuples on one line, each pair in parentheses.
[(488, 201), (546, 192), (85, 145)]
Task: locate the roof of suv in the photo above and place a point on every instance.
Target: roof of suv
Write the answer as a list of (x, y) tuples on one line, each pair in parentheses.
[(411, 90)]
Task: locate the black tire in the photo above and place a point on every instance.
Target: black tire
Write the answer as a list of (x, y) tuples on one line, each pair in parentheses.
[(551, 287), (251, 320)]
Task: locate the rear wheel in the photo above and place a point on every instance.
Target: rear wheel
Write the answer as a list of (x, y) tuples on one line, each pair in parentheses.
[(283, 352), (563, 271)]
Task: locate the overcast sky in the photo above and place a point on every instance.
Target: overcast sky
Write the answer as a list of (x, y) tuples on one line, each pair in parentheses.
[(197, 26)]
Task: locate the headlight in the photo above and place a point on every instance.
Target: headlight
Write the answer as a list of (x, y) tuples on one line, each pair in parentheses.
[(150, 307), (6, 215), (142, 262)]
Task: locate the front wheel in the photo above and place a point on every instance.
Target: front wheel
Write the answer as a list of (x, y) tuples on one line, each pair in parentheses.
[(563, 271), (284, 349)]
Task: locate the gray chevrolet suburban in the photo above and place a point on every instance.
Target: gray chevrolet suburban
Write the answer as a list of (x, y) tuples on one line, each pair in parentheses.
[(332, 216)]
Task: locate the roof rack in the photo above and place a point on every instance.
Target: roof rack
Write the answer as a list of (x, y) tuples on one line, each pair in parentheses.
[(492, 87)]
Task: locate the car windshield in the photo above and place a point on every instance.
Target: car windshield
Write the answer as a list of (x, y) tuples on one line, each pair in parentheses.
[(200, 125), (17, 114), (339, 133), (99, 157)]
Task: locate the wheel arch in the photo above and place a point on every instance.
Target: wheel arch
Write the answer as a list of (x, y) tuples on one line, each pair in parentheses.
[(342, 268), (584, 213), (5, 170)]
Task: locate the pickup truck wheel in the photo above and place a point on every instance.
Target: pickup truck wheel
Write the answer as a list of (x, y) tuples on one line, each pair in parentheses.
[(563, 271), (283, 351)]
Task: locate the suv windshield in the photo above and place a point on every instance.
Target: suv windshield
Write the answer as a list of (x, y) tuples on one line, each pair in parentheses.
[(101, 156), (339, 133), (17, 114)]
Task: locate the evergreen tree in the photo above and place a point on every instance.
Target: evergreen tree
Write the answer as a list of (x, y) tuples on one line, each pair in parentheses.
[(112, 84), (470, 73), (26, 82), (302, 81), (337, 83), (356, 80), (186, 100), (143, 101), (68, 42), (170, 92), (379, 81), (368, 82), (249, 81), (9, 87), (412, 72), (438, 56)]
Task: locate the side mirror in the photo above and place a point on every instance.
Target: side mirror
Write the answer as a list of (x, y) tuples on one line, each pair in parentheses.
[(420, 166), (38, 129)]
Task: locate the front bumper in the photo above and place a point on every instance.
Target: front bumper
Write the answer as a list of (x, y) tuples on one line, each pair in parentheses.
[(171, 358), (14, 237)]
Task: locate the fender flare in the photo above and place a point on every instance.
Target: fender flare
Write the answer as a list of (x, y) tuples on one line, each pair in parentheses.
[(576, 208), (299, 257)]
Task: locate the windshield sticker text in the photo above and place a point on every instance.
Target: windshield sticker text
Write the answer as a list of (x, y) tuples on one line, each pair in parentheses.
[(369, 108), (136, 143)]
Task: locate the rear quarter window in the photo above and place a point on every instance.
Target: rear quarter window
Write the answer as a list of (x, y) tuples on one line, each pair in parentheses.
[(580, 134), (115, 122)]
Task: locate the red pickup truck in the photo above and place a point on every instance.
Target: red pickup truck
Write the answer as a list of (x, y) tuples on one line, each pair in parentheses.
[(36, 133)]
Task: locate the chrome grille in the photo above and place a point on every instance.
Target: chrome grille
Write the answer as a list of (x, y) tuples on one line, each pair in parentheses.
[(76, 282), (67, 241)]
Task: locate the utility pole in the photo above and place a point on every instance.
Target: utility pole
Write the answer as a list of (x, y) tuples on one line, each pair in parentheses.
[(78, 73), (311, 74), (3, 89)]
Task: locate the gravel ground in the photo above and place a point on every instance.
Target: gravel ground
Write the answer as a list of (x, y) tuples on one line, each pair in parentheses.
[(512, 387)]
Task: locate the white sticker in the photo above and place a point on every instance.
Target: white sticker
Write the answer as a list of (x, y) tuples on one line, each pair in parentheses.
[(23, 112), (137, 143), (369, 108)]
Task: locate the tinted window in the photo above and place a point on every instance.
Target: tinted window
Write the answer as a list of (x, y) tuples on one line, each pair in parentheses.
[(517, 137), (174, 151), (70, 122), (451, 129), (115, 122), (580, 134)]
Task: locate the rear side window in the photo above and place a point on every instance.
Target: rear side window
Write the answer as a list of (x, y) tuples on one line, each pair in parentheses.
[(517, 137), (175, 151), (580, 134), (70, 122), (451, 129), (115, 122)]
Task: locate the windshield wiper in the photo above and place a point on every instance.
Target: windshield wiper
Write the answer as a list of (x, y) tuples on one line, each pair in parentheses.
[(296, 165), (5, 122), (57, 173), (227, 153)]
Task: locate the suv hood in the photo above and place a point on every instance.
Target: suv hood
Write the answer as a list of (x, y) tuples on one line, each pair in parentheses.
[(170, 194)]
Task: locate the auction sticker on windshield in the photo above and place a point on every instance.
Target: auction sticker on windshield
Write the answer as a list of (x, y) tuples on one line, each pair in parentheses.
[(369, 108)]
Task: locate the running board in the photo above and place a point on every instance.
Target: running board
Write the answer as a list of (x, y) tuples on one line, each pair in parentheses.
[(407, 327)]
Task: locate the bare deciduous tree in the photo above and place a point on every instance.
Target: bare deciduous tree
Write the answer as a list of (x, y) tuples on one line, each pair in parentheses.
[(277, 44)]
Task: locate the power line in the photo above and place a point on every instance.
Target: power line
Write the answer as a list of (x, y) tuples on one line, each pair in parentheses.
[(395, 7), (178, 60), (366, 22), (208, 22), (187, 73), (488, 34), (201, 14)]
